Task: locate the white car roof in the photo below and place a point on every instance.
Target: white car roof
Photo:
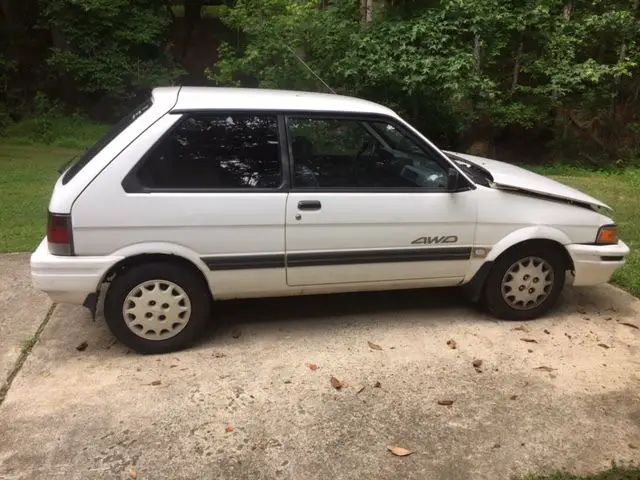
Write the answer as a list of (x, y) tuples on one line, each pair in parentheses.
[(204, 98)]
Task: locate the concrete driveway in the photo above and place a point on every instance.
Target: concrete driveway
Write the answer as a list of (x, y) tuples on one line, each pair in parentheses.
[(247, 403)]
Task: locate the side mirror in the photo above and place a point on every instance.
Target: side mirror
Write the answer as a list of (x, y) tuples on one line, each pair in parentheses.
[(453, 179)]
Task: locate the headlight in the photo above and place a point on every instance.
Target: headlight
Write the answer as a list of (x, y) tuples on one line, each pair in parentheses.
[(607, 235)]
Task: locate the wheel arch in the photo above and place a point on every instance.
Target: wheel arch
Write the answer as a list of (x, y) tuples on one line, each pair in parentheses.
[(140, 254), (544, 237)]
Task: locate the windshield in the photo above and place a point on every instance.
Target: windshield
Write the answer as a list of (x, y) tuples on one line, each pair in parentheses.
[(116, 130), (478, 174)]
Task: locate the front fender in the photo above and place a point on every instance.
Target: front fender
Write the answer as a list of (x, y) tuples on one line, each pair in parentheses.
[(536, 232)]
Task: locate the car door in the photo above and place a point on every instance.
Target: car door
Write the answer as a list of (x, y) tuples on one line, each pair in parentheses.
[(370, 203)]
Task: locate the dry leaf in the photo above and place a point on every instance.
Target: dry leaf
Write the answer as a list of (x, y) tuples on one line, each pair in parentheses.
[(452, 344), (632, 446), (603, 345), (377, 385), (544, 368), (521, 328), (229, 429), (529, 340), (373, 346), (477, 363), (546, 331), (629, 325), (608, 318), (312, 366), (399, 451), (82, 347), (529, 350), (567, 335), (514, 397), (337, 384), (360, 389), (219, 355), (155, 383), (446, 403), (133, 475)]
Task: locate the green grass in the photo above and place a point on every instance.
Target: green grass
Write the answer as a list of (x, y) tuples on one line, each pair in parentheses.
[(27, 175), (63, 132)]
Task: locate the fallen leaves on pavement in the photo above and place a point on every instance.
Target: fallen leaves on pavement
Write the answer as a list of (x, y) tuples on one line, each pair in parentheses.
[(133, 475), (360, 389), (521, 328), (399, 451), (529, 340), (312, 366), (155, 383), (82, 347), (452, 344), (337, 384), (229, 429), (603, 345), (544, 368), (219, 355), (627, 324), (546, 331), (445, 403), (477, 364), (374, 346), (377, 385)]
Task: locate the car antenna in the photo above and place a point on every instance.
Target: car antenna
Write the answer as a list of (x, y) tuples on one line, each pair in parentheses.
[(309, 68)]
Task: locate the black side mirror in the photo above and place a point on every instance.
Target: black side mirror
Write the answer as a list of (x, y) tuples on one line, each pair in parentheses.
[(453, 179)]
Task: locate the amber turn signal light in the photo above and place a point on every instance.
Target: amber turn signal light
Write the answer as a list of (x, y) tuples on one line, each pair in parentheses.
[(607, 235)]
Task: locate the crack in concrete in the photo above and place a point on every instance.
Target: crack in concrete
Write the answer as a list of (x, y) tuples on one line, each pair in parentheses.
[(4, 390)]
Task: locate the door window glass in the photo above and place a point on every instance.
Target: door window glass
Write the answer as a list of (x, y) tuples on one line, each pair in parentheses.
[(330, 153), (216, 151)]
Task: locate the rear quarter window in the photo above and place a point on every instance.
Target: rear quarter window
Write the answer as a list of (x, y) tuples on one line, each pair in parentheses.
[(116, 130)]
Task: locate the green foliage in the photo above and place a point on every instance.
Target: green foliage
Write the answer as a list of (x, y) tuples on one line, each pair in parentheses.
[(108, 47), (450, 65)]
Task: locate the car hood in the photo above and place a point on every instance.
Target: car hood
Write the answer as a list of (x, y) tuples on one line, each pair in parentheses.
[(509, 177)]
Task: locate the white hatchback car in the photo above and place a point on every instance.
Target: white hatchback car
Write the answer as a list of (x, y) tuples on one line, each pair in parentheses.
[(211, 193)]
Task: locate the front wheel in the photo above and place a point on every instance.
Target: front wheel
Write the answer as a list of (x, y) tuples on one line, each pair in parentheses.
[(525, 283)]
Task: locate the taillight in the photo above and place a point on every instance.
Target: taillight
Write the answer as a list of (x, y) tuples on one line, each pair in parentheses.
[(59, 234)]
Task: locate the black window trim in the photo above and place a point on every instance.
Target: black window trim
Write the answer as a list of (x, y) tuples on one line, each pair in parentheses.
[(366, 118), (131, 183)]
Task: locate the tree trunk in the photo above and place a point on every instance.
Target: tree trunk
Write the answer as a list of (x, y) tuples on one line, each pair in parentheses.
[(477, 52), (568, 9), (516, 66), (366, 11)]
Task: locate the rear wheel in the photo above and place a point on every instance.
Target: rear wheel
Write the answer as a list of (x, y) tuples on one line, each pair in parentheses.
[(157, 307), (525, 283)]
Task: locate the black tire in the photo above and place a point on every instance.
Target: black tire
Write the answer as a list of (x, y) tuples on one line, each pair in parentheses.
[(492, 293), (189, 281)]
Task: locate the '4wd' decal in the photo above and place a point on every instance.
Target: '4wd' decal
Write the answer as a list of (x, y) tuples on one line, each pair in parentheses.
[(432, 240)]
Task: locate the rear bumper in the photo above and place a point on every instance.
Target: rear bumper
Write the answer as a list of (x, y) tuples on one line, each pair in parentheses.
[(68, 279), (594, 264)]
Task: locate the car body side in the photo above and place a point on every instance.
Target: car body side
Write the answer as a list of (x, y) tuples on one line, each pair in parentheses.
[(236, 240)]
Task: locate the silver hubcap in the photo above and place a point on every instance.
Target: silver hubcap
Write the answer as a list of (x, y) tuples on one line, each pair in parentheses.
[(527, 283), (156, 310)]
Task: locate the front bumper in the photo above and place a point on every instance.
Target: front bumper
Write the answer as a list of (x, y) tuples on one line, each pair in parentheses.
[(594, 264), (68, 279)]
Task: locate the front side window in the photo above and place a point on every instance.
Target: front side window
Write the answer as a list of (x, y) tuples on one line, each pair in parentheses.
[(346, 153), (234, 151)]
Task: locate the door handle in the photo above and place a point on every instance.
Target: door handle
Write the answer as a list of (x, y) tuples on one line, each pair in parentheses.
[(309, 205)]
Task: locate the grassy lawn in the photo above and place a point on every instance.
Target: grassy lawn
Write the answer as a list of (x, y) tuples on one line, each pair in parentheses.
[(28, 172), (27, 175)]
